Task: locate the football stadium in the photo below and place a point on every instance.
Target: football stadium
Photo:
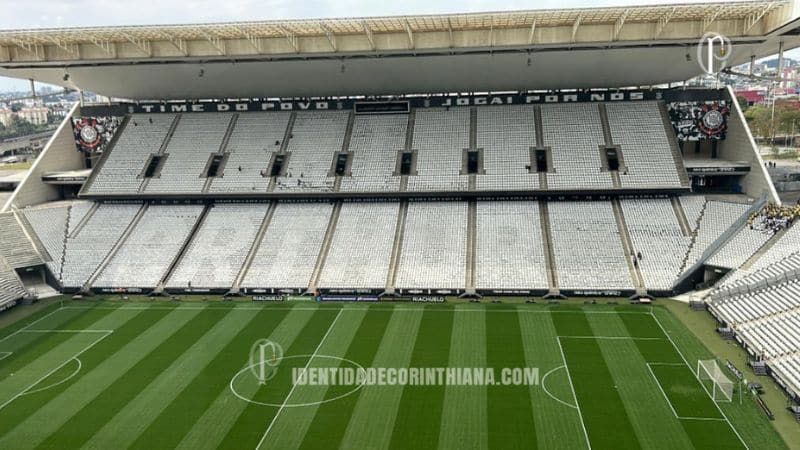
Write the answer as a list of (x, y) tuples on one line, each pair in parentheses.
[(516, 229)]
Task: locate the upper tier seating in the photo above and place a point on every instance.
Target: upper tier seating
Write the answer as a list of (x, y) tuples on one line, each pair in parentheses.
[(288, 253), (508, 246), (506, 135), (316, 137), (375, 144), (587, 246), (255, 137), (142, 136), (148, 251), (361, 249), (195, 139), (638, 128), (434, 250), (218, 250), (440, 137), (574, 133)]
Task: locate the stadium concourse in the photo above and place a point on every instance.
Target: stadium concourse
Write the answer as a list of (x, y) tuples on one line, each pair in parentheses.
[(354, 184)]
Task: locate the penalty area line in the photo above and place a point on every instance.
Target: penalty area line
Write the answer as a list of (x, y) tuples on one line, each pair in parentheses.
[(688, 366), (45, 376)]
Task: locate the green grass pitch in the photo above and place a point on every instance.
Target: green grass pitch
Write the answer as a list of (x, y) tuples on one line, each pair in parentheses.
[(104, 374)]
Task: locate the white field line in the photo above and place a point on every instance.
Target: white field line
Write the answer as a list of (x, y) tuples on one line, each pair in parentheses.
[(623, 338), (78, 369), (75, 356), (710, 397), (544, 387), (35, 322), (660, 388), (658, 383), (67, 331), (399, 308), (574, 395), (4, 355), (286, 400)]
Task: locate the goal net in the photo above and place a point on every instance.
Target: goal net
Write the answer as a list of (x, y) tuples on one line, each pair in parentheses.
[(721, 385)]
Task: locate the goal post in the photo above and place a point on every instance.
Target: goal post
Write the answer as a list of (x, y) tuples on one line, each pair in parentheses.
[(722, 386)]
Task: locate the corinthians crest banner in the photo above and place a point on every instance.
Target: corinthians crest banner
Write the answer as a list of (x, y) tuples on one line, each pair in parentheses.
[(696, 121), (92, 134)]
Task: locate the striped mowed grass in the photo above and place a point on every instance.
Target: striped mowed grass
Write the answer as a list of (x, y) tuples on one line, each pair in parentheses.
[(107, 374)]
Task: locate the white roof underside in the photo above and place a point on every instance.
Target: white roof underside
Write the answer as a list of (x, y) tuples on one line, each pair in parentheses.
[(403, 54)]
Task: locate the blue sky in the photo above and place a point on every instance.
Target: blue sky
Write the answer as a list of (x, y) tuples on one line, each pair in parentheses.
[(24, 14)]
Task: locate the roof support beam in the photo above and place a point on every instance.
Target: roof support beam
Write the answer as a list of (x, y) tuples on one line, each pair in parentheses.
[(290, 37), (108, 47), (254, 41), (663, 21), (410, 34), (330, 35), (532, 34), (215, 42), (708, 21), (368, 32), (751, 20), (142, 45), (450, 32), (72, 49), (36, 50), (575, 27), (619, 23), (178, 43)]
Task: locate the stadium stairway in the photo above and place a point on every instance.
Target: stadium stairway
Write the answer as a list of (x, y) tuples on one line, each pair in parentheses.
[(326, 245), (223, 150), (348, 136), (473, 146), (182, 251), (615, 179), (627, 246), (680, 214), (287, 135), (472, 233), (86, 218), (550, 258), (673, 145), (408, 147), (537, 118), (262, 230), (100, 163), (162, 149), (695, 229), (396, 247), (124, 237)]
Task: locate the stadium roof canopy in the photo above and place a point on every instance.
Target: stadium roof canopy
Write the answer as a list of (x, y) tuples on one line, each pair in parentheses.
[(538, 49)]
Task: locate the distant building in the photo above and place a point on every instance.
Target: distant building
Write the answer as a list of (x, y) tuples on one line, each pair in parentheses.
[(36, 115)]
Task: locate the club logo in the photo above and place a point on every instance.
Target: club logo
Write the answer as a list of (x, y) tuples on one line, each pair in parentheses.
[(265, 357), (713, 52)]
